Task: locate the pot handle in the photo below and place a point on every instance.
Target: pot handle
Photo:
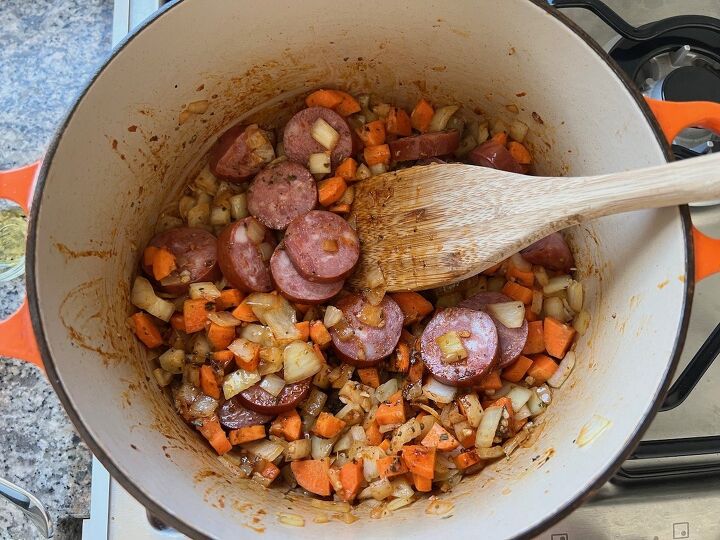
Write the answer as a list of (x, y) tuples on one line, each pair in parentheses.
[(17, 339), (673, 117)]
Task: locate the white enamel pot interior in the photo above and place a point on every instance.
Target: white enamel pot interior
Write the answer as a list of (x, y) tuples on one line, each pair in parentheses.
[(122, 155)]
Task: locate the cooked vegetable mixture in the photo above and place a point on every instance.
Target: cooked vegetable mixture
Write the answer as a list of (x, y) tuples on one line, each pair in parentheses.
[(349, 395)]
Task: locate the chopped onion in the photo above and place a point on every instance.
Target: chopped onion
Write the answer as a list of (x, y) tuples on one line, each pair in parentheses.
[(294, 520), (204, 289), (439, 392), (244, 349), (172, 361), (541, 275), (219, 215), (314, 403), (300, 362), (256, 231), (439, 507), (332, 316), (518, 131), (374, 276), (319, 163), (258, 333), (451, 347), (557, 284), (372, 315), (519, 395), (191, 375), (324, 133), (441, 117), (348, 196), (320, 448), (404, 434), (206, 181), (185, 204), (523, 413), (563, 371), (277, 313), (482, 133), (582, 322), (144, 297), (343, 330), (510, 314), (351, 414), (266, 251), (199, 215), (203, 198), (343, 443), (592, 430), (402, 487), (272, 384), (378, 168), (357, 393), (520, 263), (400, 502), (385, 390), (258, 141), (271, 360), (224, 319), (554, 308), (378, 490), (498, 127), (472, 408), (166, 221), (537, 302), (298, 449), (575, 296), (363, 172), (539, 400), (162, 377), (382, 110), (265, 448), (203, 407), (237, 381), (238, 206), (375, 295), (492, 452), (488, 427)]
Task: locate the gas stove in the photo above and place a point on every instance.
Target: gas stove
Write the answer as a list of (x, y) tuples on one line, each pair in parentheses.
[(670, 488)]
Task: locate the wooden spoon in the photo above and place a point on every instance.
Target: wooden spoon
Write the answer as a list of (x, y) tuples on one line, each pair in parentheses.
[(436, 224)]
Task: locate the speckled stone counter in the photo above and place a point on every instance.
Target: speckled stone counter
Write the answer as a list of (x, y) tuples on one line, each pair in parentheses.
[(48, 50)]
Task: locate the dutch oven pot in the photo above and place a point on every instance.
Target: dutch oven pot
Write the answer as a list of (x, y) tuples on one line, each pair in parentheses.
[(125, 151)]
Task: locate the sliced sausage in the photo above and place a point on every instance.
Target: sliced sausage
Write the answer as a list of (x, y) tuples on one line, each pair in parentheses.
[(241, 258), (240, 152), (423, 146), (258, 400), (279, 194), (494, 155), (481, 346), (511, 340), (296, 288), (234, 416), (366, 345), (552, 252), (299, 144), (322, 246), (196, 257)]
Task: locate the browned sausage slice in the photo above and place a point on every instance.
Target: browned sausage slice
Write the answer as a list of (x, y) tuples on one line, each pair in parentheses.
[(240, 255), (322, 246), (363, 345), (481, 346), (195, 252), (299, 144), (296, 288), (423, 146), (279, 194), (494, 155), (258, 400), (511, 340), (240, 152), (552, 252), (234, 416)]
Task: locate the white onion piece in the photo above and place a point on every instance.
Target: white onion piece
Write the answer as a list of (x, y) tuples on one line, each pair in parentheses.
[(378, 490), (563, 371), (244, 349), (504, 390), (237, 381), (332, 316), (320, 448), (473, 410), (204, 289), (258, 333), (162, 309), (343, 443), (298, 449), (265, 448), (404, 434), (451, 347), (223, 318), (238, 206), (439, 392), (162, 377), (520, 263), (348, 197), (402, 487), (537, 302), (319, 163), (277, 313), (266, 251), (270, 360), (442, 117), (498, 127), (293, 520), (272, 384), (143, 296), (492, 452), (185, 204), (541, 275), (575, 296), (172, 361), (582, 322), (523, 413), (199, 215), (374, 277), (554, 308), (219, 215), (519, 395), (255, 231), (488, 427), (385, 390), (363, 172), (378, 168), (518, 131), (204, 198), (358, 434), (314, 404), (539, 400), (324, 133), (300, 362), (510, 314), (592, 430), (483, 133), (557, 284), (203, 407)]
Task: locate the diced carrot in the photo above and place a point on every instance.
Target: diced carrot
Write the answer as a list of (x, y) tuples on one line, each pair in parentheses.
[(517, 292), (324, 98), (491, 381), (535, 341), (372, 133), (195, 314), (467, 459), (269, 470), (349, 105), (351, 478), (312, 475), (369, 376), (220, 336), (247, 434), (519, 152), (287, 425), (327, 425), (319, 334), (372, 432), (438, 437), (385, 445), (347, 169), (177, 321), (558, 337), (374, 155), (331, 190), (391, 411), (223, 358), (145, 330), (421, 483), (304, 328), (342, 208), (229, 298), (542, 368), (398, 122), (209, 383), (163, 264), (245, 313), (516, 371), (390, 466), (417, 369), (500, 137), (523, 277), (210, 429), (413, 305), (530, 315), (399, 362), (422, 115), (251, 363), (419, 460), (149, 255)]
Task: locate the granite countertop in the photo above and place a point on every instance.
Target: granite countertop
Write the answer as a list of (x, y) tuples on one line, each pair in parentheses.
[(49, 50)]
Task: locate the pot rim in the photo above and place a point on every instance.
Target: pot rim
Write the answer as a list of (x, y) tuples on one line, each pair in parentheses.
[(155, 507)]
